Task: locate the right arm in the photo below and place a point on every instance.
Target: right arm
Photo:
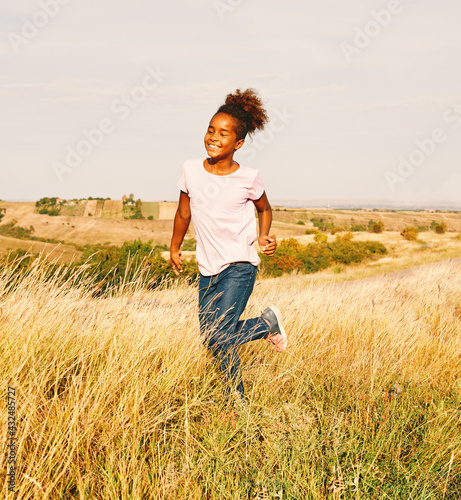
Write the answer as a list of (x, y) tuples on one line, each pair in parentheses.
[(181, 224)]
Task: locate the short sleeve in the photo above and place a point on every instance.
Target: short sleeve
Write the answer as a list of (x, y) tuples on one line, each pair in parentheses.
[(257, 188), (182, 184)]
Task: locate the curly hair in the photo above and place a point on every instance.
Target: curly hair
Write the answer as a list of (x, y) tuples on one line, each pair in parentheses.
[(247, 110)]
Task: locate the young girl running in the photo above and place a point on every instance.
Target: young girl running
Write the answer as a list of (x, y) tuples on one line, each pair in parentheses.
[(219, 195)]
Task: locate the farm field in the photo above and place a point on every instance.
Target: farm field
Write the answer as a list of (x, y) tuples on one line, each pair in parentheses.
[(112, 209), (118, 399), (150, 209)]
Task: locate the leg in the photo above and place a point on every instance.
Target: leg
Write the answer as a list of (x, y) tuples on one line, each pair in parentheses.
[(251, 329), (222, 301)]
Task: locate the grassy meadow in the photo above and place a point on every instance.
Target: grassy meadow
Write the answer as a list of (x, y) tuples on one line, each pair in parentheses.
[(118, 399)]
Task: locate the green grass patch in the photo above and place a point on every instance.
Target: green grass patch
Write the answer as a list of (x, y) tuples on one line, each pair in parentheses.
[(150, 209)]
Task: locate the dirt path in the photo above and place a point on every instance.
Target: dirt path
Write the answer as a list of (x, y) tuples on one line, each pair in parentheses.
[(401, 274)]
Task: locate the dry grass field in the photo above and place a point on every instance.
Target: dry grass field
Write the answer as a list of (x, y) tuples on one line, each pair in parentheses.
[(392, 220), (116, 398), (51, 251)]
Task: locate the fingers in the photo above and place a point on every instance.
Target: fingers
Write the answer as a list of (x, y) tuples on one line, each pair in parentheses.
[(176, 269), (270, 247), (176, 266), (176, 260)]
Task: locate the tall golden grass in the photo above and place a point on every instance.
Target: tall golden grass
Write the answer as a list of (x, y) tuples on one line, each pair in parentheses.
[(118, 399)]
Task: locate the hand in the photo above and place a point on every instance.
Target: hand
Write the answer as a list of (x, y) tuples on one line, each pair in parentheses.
[(267, 245), (176, 260)]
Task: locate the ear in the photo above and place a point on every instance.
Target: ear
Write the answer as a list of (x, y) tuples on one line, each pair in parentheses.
[(239, 144)]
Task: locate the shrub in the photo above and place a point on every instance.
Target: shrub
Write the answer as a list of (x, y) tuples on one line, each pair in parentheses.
[(375, 227), (137, 214), (151, 217), (310, 231), (440, 228), (112, 266), (14, 231), (357, 227), (320, 238), (291, 255), (322, 225), (410, 233), (345, 237), (22, 259), (300, 223)]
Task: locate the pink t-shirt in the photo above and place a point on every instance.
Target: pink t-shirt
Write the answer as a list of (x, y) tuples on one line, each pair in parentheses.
[(223, 214)]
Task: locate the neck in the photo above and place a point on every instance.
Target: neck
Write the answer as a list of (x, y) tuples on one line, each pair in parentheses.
[(222, 166)]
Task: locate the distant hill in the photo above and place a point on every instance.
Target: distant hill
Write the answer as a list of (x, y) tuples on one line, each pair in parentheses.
[(106, 209), (107, 225)]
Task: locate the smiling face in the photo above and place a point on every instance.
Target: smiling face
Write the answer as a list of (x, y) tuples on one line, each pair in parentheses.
[(221, 139)]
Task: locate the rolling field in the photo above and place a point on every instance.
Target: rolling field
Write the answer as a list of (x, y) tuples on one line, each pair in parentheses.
[(51, 251), (118, 399), (430, 247), (393, 221)]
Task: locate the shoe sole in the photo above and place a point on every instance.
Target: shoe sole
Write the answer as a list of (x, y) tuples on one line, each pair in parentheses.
[(279, 317)]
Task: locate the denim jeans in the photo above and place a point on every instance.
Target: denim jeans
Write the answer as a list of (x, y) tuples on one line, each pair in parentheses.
[(222, 300)]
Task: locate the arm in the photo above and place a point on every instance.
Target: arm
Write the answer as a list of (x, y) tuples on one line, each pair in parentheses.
[(181, 224), (265, 242)]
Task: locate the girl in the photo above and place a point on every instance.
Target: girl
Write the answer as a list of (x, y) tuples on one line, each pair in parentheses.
[(218, 194)]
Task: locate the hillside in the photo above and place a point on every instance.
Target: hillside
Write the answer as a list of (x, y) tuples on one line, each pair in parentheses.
[(107, 226)]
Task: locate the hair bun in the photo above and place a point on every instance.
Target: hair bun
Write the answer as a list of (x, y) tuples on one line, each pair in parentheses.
[(247, 108)]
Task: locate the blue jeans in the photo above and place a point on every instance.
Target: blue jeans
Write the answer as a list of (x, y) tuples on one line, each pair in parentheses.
[(222, 300)]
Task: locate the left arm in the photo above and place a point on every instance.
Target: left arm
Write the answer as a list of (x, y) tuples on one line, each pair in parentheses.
[(265, 242)]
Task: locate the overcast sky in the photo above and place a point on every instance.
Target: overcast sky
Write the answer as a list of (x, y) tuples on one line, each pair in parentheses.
[(364, 96)]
